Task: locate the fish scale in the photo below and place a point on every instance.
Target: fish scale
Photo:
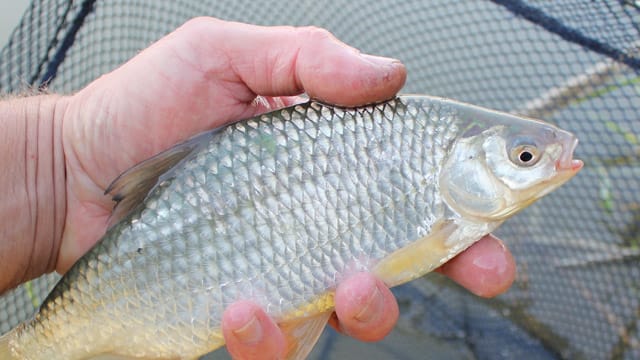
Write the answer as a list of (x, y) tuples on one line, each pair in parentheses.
[(277, 209)]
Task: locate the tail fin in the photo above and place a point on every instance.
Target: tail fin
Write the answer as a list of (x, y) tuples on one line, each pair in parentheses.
[(5, 351)]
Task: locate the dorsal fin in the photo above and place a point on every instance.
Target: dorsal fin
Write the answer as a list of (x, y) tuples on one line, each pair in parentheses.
[(131, 187)]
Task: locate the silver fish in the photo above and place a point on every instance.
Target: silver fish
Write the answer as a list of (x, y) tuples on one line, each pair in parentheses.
[(278, 209)]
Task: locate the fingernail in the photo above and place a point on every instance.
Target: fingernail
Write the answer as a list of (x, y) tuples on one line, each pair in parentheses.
[(373, 307), (380, 60), (495, 260), (250, 333)]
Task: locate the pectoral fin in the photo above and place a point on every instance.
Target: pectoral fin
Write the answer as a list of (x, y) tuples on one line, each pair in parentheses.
[(130, 188), (419, 257), (302, 334)]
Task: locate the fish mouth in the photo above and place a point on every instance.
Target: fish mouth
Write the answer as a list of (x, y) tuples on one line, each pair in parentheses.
[(566, 168), (566, 162)]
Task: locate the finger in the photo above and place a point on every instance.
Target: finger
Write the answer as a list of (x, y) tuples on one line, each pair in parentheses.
[(313, 60), (250, 334), (486, 269), (278, 61), (365, 308), (209, 72)]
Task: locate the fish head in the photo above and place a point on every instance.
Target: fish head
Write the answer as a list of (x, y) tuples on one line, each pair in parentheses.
[(504, 164)]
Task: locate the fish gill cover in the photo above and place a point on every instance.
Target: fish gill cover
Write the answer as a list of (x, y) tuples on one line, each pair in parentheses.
[(573, 63)]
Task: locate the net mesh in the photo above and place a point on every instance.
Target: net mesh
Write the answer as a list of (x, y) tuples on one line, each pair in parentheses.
[(571, 62)]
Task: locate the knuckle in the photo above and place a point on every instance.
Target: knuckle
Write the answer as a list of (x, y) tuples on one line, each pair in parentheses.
[(315, 34), (198, 26)]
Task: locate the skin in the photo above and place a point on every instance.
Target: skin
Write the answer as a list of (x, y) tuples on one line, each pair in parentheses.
[(61, 152)]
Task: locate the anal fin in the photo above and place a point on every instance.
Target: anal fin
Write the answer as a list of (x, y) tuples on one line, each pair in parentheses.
[(302, 334), (419, 257)]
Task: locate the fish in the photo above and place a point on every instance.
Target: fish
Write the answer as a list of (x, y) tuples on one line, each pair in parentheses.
[(278, 209)]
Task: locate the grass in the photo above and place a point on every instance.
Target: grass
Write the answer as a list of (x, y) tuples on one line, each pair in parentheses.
[(28, 286)]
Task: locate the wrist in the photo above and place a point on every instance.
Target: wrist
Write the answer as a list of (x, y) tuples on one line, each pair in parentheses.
[(34, 206)]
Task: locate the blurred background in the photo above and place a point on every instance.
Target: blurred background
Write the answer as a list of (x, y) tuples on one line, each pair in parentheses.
[(10, 14)]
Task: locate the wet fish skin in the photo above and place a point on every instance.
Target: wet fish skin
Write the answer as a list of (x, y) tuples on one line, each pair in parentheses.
[(278, 209)]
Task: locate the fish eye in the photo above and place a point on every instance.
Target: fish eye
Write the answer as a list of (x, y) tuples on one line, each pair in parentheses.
[(524, 155)]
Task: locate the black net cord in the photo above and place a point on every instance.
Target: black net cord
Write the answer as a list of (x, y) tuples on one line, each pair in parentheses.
[(67, 41), (542, 19)]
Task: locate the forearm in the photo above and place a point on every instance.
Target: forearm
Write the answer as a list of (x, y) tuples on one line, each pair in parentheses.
[(32, 209)]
